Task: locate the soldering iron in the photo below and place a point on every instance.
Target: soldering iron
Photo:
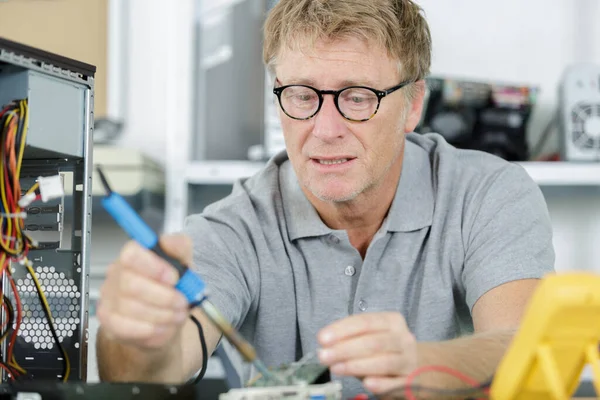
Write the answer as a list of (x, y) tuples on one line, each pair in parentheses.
[(190, 283)]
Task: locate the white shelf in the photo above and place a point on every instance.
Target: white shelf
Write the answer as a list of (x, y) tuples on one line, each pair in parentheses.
[(220, 172), (544, 173), (562, 173)]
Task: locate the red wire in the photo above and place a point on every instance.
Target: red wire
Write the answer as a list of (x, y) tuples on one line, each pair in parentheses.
[(9, 193), (13, 338), (6, 109), (10, 372), (439, 368)]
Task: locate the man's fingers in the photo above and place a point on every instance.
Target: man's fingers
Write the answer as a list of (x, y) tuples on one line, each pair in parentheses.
[(145, 263), (391, 364), (133, 309), (127, 329), (361, 324), (150, 292), (360, 347)]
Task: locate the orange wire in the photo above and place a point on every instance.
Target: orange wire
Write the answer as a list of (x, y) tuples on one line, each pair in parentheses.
[(13, 161), (10, 140)]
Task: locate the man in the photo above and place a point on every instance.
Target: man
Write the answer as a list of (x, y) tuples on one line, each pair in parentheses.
[(384, 249)]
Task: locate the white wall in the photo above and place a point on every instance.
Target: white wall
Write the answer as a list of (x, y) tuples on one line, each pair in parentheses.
[(145, 76)]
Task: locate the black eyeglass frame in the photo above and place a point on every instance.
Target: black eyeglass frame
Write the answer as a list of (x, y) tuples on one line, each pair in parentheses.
[(336, 95)]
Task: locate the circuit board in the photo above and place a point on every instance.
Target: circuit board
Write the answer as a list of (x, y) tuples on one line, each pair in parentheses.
[(305, 371), (287, 375)]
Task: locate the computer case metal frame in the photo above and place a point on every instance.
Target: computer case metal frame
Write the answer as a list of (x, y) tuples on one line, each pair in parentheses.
[(56, 67)]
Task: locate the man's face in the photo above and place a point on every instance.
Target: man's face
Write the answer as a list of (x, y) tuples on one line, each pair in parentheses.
[(336, 159)]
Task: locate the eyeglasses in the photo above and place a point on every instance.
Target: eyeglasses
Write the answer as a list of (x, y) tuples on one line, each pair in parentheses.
[(355, 103)]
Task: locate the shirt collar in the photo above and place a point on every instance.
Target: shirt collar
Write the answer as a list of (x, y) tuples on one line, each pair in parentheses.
[(412, 207), (302, 218)]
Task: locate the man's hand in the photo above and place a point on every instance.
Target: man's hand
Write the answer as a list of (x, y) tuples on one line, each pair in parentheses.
[(377, 348), (145, 333), (139, 305)]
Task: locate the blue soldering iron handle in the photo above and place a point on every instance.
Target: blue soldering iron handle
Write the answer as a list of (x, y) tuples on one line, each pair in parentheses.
[(190, 283)]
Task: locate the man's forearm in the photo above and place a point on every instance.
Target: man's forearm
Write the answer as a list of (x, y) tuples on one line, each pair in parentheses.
[(119, 363), (476, 356)]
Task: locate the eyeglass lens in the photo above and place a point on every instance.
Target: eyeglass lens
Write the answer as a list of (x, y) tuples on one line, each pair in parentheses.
[(354, 103)]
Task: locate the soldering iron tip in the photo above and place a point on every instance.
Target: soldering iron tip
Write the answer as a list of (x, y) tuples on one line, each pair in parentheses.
[(104, 181)]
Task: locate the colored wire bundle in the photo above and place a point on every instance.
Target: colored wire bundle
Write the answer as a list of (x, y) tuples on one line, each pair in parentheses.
[(13, 325), (14, 121), (14, 243)]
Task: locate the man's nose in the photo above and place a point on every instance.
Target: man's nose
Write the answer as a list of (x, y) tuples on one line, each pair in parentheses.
[(329, 123)]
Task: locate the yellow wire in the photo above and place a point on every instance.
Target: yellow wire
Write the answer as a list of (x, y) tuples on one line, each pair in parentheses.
[(50, 318), (16, 365), (8, 119), (33, 188), (25, 115)]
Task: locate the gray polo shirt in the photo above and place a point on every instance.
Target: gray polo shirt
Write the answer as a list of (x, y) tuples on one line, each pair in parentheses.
[(461, 223)]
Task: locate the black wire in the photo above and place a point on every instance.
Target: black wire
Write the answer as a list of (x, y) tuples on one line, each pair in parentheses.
[(204, 350), (52, 330), (9, 325)]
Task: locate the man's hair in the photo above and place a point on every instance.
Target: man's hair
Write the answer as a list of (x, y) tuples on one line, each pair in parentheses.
[(396, 25)]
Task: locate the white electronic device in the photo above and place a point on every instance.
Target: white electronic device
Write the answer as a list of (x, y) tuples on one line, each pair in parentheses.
[(326, 391), (579, 113)]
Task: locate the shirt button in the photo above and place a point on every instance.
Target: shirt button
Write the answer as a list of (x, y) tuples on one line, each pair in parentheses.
[(350, 270), (362, 305), (334, 239)]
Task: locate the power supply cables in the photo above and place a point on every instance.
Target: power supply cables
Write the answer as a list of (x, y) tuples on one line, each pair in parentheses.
[(13, 123), (13, 128), (14, 242)]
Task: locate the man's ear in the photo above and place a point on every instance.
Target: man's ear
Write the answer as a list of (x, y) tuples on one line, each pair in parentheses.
[(415, 106)]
